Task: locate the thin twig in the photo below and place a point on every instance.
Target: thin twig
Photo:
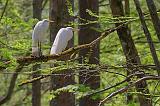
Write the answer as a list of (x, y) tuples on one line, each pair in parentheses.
[(117, 84)]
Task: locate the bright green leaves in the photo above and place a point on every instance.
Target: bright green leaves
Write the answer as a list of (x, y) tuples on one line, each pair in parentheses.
[(70, 9), (16, 25), (79, 90)]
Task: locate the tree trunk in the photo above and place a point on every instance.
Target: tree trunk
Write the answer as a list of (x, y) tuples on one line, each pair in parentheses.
[(128, 29), (59, 14), (130, 52), (36, 86), (148, 36), (86, 35), (37, 9), (154, 16)]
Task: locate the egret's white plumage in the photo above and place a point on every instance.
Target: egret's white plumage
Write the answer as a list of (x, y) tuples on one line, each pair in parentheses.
[(61, 40), (38, 34)]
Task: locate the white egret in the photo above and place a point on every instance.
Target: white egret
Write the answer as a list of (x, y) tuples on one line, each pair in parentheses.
[(38, 35), (61, 40)]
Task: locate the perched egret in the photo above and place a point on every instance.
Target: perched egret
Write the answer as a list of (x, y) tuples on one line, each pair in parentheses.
[(38, 35), (61, 40)]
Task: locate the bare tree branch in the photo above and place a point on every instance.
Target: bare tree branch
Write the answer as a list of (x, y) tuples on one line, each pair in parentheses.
[(117, 84), (124, 89)]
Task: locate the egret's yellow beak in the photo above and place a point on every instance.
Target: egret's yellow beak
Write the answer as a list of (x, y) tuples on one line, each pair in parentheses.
[(75, 29), (50, 21)]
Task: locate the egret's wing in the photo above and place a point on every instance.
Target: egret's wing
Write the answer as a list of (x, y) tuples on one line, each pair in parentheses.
[(69, 35), (36, 32), (60, 42)]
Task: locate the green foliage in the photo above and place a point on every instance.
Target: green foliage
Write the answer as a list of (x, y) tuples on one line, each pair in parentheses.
[(79, 90), (70, 8), (15, 41)]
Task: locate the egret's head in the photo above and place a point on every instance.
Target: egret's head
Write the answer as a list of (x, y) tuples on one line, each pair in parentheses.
[(72, 29), (46, 22), (69, 28)]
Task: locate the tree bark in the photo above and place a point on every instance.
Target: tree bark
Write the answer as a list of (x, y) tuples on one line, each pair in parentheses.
[(148, 36), (154, 16), (130, 52), (129, 96), (59, 14), (86, 35), (37, 9), (36, 86)]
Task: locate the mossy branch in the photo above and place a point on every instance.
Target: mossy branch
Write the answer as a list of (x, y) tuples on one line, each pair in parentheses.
[(30, 59)]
